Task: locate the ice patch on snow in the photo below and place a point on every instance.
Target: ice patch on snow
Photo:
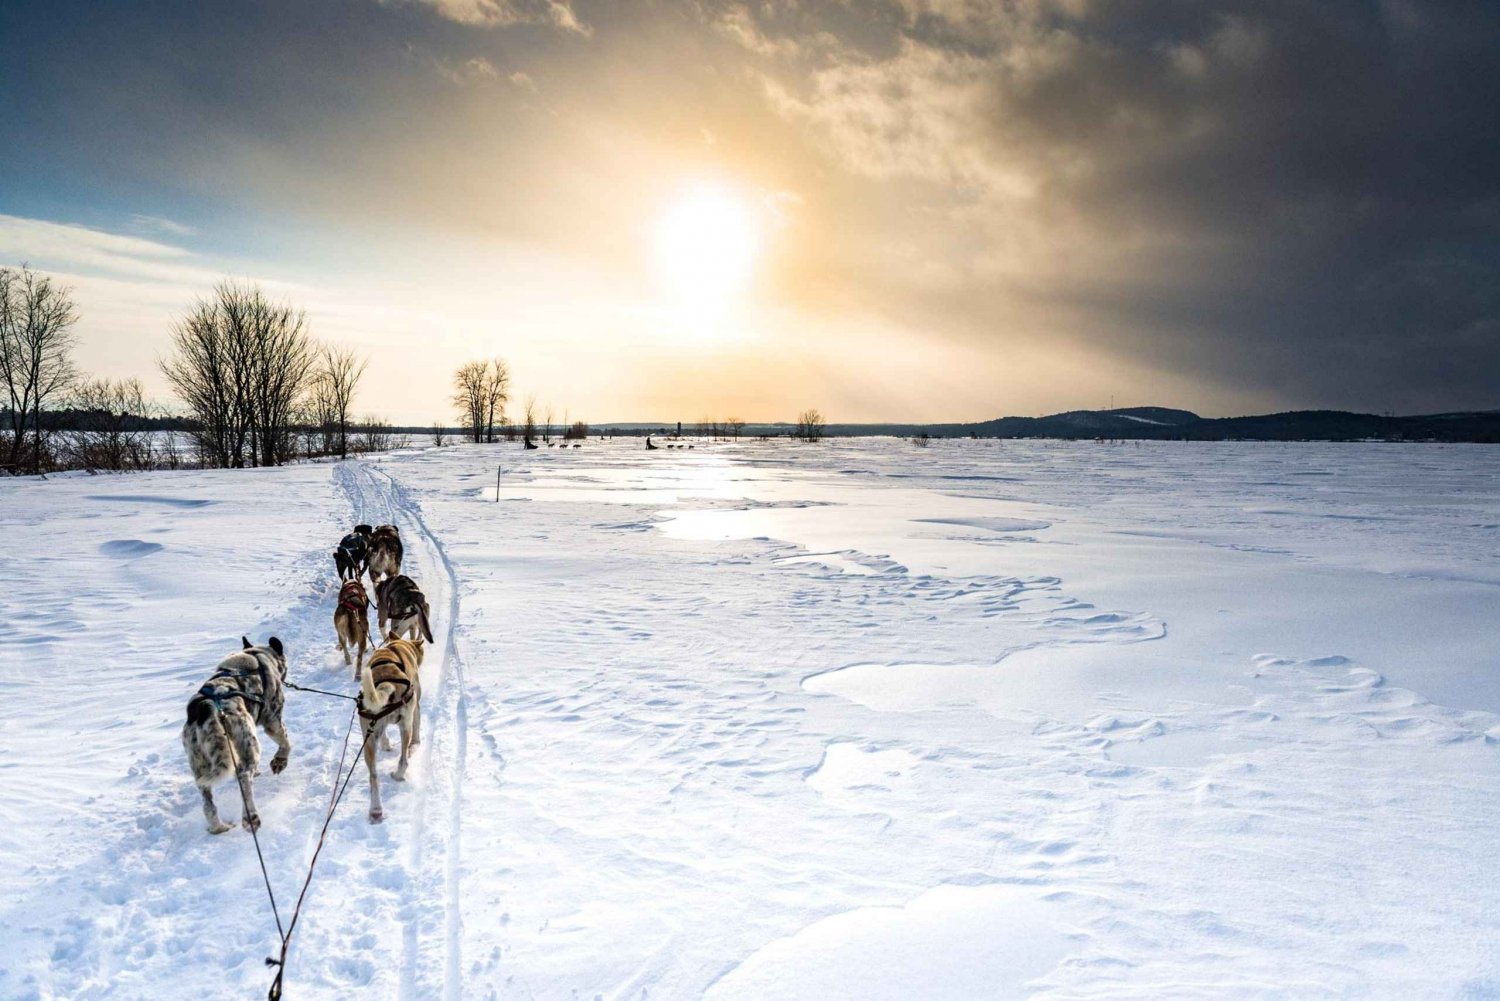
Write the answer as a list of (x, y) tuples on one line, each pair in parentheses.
[(950, 942)]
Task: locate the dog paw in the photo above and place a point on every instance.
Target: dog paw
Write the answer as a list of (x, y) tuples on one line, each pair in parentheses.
[(251, 823), (399, 776), (278, 764), (376, 816), (220, 828)]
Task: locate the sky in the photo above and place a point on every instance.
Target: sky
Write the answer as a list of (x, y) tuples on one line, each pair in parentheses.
[(910, 210)]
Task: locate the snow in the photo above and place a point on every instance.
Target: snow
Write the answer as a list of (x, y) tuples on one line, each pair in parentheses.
[(857, 719)]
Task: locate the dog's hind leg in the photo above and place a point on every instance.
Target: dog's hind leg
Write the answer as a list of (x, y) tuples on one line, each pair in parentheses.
[(416, 716), (239, 730), (251, 820), (385, 738), (376, 813), (406, 729), (211, 813)]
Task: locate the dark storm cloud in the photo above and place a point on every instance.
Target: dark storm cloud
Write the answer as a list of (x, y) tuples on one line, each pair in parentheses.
[(1297, 197)]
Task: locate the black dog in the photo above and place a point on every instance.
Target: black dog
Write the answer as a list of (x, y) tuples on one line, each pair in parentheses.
[(352, 552)]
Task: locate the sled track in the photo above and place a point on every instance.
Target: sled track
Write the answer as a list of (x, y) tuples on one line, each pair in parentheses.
[(378, 497)]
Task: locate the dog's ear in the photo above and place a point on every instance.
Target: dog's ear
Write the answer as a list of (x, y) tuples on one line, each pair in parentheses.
[(275, 644), (245, 641), (391, 636)]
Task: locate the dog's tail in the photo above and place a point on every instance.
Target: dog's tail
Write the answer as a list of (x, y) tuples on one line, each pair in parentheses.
[(369, 694)]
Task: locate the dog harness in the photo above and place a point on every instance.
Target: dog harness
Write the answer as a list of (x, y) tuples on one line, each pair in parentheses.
[(218, 694), (353, 546), (385, 675), (353, 600)]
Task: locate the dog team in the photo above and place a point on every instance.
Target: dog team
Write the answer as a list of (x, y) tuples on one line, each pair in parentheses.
[(247, 689)]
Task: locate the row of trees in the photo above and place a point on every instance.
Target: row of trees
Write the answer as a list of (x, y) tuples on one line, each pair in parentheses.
[(481, 391), (257, 388), (252, 376)]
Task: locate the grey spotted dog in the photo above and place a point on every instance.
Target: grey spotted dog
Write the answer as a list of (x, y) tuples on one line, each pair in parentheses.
[(383, 552), (246, 690)]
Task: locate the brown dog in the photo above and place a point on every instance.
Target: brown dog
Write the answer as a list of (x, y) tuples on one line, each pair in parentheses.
[(351, 622), (390, 691)]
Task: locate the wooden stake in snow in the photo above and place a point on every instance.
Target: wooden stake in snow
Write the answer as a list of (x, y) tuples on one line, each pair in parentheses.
[(497, 483)]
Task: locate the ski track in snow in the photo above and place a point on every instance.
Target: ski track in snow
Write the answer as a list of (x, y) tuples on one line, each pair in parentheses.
[(132, 917), (762, 723)]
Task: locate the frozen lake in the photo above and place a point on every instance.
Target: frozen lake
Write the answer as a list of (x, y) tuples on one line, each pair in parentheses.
[(857, 719)]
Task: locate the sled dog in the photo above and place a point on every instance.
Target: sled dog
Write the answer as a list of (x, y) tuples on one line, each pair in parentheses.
[(390, 691), (351, 623), (384, 552), (401, 603), (350, 556), (219, 735)]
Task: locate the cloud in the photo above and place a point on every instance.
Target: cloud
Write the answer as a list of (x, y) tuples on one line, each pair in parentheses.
[(161, 225), (504, 13), (470, 71), (81, 249), (1300, 199)]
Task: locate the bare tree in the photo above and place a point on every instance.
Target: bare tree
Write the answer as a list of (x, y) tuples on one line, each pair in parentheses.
[(36, 342), (242, 364), (109, 429), (810, 425), (204, 372), (496, 396), (282, 365), (439, 434), (319, 414), (547, 426), (481, 390), (733, 425), (338, 377), (469, 398)]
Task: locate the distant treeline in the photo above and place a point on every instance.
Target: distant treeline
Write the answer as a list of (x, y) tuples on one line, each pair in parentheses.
[(1164, 424), (73, 419)]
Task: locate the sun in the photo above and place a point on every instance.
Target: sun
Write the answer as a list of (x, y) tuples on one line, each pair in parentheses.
[(705, 247)]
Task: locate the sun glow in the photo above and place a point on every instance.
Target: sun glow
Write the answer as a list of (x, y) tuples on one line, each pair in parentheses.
[(706, 243)]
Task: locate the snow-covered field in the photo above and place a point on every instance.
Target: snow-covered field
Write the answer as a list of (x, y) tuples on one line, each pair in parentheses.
[(854, 720)]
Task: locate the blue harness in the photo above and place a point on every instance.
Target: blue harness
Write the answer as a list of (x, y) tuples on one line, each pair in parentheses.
[(218, 695)]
